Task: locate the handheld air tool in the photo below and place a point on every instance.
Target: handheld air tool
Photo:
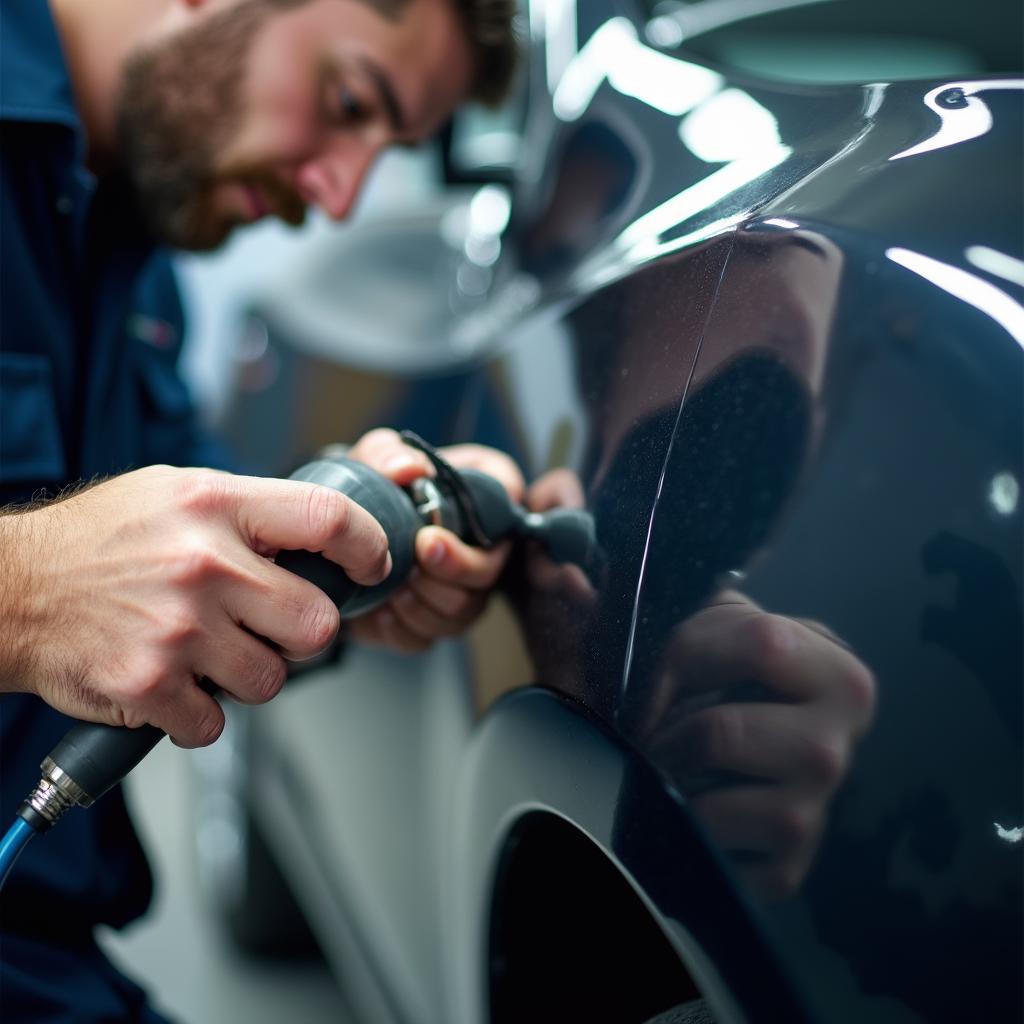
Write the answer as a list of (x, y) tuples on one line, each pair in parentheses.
[(92, 757)]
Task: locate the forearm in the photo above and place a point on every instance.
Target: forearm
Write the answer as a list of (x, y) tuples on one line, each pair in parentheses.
[(20, 612)]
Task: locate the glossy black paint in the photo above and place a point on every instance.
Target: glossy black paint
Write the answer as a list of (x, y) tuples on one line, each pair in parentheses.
[(757, 348)]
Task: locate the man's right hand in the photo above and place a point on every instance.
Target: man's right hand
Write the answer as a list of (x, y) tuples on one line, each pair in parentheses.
[(115, 602)]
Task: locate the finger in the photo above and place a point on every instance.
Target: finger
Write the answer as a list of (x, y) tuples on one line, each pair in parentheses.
[(424, 621), (773, 879), (290, 612), (558, 488), (385, 451), (242, 666), (381, 628), (769, 820), (294, 515), (770, 742), (442, 556), (450, 600), (567, 581), (726, 646), (490, 461), (191, 717)]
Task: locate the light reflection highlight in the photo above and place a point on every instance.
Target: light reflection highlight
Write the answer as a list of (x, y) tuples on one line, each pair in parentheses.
[(962, 114), (985, 297), (1003, 493), (559, 20), (729, 126), (702, 195), (688, 20), (489, 210), (997, 263), (614, 53)]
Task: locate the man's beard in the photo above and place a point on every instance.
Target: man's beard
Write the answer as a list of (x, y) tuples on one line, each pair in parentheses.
[(179, 106)]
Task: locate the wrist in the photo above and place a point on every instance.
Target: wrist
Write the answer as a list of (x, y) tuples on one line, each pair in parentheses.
[(22, 607)]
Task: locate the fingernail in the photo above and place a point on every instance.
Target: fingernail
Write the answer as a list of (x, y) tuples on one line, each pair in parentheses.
[(388, 566), (435, 553)]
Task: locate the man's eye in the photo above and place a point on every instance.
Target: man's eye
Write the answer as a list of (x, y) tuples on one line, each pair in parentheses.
[(349, 106)]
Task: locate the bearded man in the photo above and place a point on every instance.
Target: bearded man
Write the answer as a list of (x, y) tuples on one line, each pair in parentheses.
[(127, 125)]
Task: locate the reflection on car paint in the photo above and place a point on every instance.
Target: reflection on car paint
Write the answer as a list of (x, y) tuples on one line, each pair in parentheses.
[(963, 115), (615, 54), (992, 301), (999, 264)]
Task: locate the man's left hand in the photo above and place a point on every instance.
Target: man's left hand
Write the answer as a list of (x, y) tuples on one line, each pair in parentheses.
[(450, 585)]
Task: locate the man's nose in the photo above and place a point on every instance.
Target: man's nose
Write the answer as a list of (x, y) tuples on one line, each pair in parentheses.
[(333, 178)]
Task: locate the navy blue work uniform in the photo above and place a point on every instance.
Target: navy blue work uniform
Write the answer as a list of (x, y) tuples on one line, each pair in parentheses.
[(90, 328)]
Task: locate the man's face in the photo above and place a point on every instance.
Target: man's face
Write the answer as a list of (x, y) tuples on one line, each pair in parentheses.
[(256, 111)]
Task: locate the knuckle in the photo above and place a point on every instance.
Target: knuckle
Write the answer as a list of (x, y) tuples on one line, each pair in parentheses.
[(178, 625), (326, 512), (827, 762), (268, 677), (321, 622), (147, 681), (793, 827), (200, 491), (861, 689), (193, 562), (131, 719), (769, 638), (209, 727)]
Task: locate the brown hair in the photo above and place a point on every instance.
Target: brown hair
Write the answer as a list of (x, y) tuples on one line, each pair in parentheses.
[(488, 25)]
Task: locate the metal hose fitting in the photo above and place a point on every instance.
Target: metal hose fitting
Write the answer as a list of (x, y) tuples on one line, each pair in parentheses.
[(54, 794)]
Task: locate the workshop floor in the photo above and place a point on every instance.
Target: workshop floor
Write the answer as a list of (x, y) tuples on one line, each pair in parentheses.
[(177, 952)]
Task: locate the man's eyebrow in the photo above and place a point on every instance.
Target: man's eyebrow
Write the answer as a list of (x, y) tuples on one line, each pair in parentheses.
[(399, 121)]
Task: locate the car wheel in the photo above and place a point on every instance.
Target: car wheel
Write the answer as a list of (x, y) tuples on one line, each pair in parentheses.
[(238, 874)]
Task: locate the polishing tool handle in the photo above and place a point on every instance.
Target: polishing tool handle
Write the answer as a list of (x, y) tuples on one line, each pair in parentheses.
[(98, 756)]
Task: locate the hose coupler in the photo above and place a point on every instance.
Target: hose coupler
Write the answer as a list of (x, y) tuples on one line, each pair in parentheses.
[(55, 793)]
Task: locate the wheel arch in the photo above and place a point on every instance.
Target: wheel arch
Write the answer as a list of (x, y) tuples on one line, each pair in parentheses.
[(565, 839)]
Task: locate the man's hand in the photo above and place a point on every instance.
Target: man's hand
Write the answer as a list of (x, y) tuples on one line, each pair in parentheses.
[(117, 600), (756, 718), (450, 585)]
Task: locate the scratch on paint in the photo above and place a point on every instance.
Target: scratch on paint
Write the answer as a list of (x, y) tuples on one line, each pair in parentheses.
[(1011, 835)]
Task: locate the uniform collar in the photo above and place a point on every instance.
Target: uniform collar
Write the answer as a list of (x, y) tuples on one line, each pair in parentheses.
[(34, 80)]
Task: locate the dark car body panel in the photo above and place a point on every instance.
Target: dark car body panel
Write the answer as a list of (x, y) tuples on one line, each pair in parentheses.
[(777, 371)]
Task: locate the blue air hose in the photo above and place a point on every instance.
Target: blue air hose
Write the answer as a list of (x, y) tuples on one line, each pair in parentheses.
[(12, 844)]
